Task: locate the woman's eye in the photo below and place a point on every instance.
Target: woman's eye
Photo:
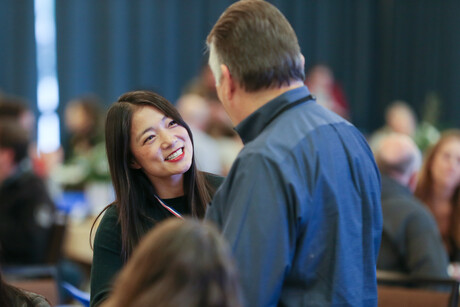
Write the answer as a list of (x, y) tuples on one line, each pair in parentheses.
[(149, 138), (172, 123)]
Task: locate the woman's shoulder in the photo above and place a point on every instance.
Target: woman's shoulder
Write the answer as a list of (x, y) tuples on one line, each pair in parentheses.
[(109, 219), (108, 233), (213, 180)]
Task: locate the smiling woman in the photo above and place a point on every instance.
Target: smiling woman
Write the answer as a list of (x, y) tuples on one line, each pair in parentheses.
[(162, 149), (150, 154)]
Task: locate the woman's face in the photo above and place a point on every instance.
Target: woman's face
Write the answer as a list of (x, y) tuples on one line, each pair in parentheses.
[(446, 164), (160, 146)]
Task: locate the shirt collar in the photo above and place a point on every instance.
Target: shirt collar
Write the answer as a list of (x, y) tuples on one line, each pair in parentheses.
[(394, 186), (251, 126)]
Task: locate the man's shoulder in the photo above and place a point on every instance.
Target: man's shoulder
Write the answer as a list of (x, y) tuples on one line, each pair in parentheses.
[(310, 134), (405, 207), (398, 197), (26, 178), (213, 179), (109, 229)]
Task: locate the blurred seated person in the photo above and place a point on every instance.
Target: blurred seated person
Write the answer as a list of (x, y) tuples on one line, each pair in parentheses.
[(399, 118), (13, 297), (439, 189), (178, 263), (26, 210), (15, 108), (83, 123), (84, 148), (195, 112), (411, 243), (320, 81)]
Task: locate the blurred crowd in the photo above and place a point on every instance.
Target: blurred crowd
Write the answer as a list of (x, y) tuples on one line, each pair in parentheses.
[(80, 165)]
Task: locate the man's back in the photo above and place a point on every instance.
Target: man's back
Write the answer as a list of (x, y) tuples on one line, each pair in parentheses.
[(411, 242), (301, 207)]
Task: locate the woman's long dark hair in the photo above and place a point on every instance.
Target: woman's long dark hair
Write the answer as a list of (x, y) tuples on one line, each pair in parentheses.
[(131, 185)]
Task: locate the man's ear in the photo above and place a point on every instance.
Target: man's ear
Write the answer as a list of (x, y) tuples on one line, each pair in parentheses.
[(412, 184), (227, 83)]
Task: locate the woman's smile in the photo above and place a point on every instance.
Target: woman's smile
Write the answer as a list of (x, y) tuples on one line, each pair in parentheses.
[(176, 155)]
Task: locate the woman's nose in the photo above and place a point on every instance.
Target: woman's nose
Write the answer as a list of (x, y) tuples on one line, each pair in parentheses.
[(168, 140)]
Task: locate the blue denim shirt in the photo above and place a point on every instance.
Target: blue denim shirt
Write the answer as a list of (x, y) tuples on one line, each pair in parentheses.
[(301, 208)]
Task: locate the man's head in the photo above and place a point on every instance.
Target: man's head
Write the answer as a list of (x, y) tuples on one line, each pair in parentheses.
[(194, 110), (398, 157), (257, 44), (14, 144), (400, 117), (15, 108)]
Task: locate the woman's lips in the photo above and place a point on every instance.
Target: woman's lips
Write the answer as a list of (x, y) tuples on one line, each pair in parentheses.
[(176, 155)]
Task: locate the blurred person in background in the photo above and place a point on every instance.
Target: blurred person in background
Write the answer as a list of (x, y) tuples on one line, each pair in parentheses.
[(218, 124), (179, 263), (83, 159), (195, 112), (321, 82), (152, 163), (15, 108), (28, 197), (411, 242), (84, 126), (439, 189), (26, 209), (399, 118)]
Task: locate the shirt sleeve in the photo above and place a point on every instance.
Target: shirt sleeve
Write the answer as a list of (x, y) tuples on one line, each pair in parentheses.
[(252, 210), (107, 261)]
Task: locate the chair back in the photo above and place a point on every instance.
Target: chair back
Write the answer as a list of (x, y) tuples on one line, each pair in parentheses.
[(56, 240), (40, 279), (395, 289)]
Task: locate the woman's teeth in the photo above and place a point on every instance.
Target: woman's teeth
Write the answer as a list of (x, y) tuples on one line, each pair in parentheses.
[(175, 154)]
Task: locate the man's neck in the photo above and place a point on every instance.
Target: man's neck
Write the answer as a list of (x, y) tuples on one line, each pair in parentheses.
[(252, 101)]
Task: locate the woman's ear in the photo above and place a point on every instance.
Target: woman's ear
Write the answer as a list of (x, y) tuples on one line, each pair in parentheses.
[(134, 164)]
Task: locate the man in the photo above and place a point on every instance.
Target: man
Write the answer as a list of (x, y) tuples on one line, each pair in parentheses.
[(411, 242), (301, 204), (26, 210)]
